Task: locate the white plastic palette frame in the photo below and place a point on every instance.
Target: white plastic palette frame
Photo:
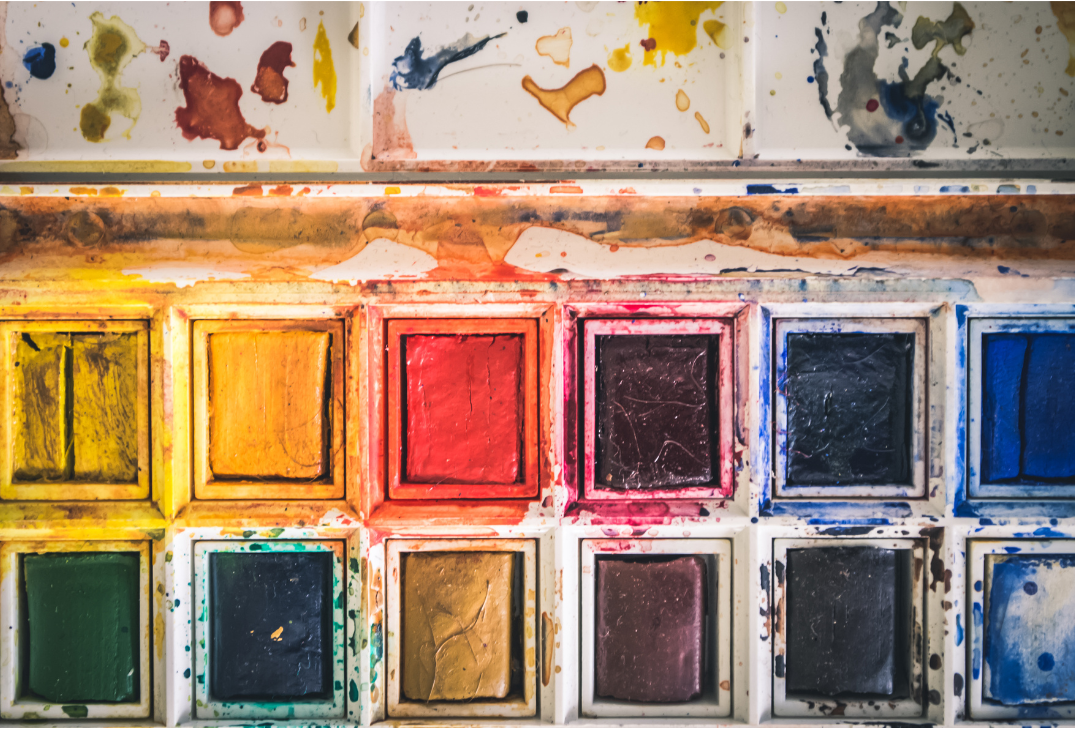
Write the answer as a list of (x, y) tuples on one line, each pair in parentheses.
[(400, 707), (977, 328), (818, 706), (716, 702), (723, 329), (208, 708), (917, 326), (978, 551), (12, 706)]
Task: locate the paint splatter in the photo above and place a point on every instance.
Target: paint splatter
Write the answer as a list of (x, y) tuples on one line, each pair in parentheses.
[(702, 122), (781, 8), (909, 122), (162, 50), (522, 16), (270, 83), (113, 45), (352, 37), (655, 143), (673, 26), (620, 59), (9, 148), (412, 70), (561, 101), (324, 69), (1065, 21), (391, 139), (557, 47), (224, 17), (718, 32), (212, 110), (40, 60), (64, 42), (683, 102)]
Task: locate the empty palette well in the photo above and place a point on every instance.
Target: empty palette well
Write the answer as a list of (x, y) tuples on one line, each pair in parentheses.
[(80, 640), (462, 409), (461, 633), (270, 636)]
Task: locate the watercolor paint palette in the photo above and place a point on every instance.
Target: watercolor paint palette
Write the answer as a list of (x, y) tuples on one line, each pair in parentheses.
[(292, 87)]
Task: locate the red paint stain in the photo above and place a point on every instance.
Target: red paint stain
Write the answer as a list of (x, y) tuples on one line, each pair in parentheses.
[(391, 140), (224, 17), (627, 191), (872, 105), (480, 191), (566, 189), (282, 190), (212, 110), (648, 43), (464, 415), (270, 83), (248, 191), (302, 192), (162, 50)]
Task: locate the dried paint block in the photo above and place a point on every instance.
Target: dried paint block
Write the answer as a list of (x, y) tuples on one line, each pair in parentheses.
[(268, 405), (1029, 635), (849, 405), (457, 632), (82, 626), (655, 411), (649, 640), (76, 399), (848, 621), (464, 408), (270, 619), (1028, 384)]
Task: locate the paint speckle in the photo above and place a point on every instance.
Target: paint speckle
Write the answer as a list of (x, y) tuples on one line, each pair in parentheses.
[(413, 70), (40, 60), (702, 122), (224, 17), (324, 70), (672, 26), (162, 50), (522, 16), (781, 8), (655, 143), (683, 102), (270, 83), (212, 110), (113, 45), (586, 83), (1046, 662), (871, 105), (620, 59), (1030, 588), (64, 42), (557, 47), (277, 634)]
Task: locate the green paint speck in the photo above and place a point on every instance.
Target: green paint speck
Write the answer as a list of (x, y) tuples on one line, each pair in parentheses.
[(248, 533), (168, 556), (353, 692), (76, 711)]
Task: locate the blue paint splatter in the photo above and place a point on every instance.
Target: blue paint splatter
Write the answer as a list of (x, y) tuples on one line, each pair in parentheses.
[(40, 60), (977, 585), (955, 188), (1046, 662), (1007, 189), (959, 630), (809, 79), (1030, 588), (413, 71)]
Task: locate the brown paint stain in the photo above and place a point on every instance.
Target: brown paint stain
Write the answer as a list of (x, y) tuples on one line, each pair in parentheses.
[(352, 37), (212, 110), (702, 122), (224, 17), (391, 140), (9, 148), (655, 143), (557, 47), (1065, 21), (281, 190), (248, 190), (270, 83), (683, 102), (586, 83), (113, 45)]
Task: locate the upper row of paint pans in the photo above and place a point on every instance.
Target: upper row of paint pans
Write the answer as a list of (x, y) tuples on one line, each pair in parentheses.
[(292, 87), (657, 411)]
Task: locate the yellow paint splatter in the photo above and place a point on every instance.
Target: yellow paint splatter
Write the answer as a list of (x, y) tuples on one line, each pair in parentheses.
[(557, 47), (779, 75), (209, 164), (718, 31), (683, 102), (655, 143), (781, 8), (391, 190), (241, 166), (620, 59), (64, 42), (772, 92), (702, 121), (324, 70), (586, 83), (673, 26), (114, 44), (277, 633), (1065, 20)]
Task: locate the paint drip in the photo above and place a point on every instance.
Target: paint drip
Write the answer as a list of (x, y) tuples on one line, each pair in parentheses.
[(212, 110), (560, 102), (270, 83), (113, 45), (40, 60), (324, 70), (413, 70)]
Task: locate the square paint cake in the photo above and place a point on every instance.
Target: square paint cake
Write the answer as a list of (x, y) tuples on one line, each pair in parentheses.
[(464, 408), (82, 626), (457, 636), (1029, 632), (649, 640), (849, 408), (270, 625), (848, 625), (655, 412), (1028, 395)]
